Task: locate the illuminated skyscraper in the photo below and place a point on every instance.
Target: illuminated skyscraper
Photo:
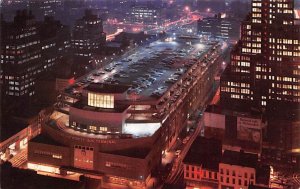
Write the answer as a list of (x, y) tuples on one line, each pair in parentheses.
[(264, 71), (43, 8), (88, 36), (20, 56)]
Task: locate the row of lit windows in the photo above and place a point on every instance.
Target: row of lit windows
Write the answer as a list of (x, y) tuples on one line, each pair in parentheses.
[(296, 72), (53, 155), (256, 15), (296, 87), (255, 9), (237, 96), (246, 58), (235, 84), (94, 128), (248, 50), (262, 69), (48, 46), (244, 64), (190, 173), (284, 41), (100, 100), (256, 4), (222, 180), (92, 22), (117, 165), (236, 90), (11, 93), (275, 58), (284, 47), (256, 39), (286, 53), (282, 5), (286, 79), (23, 35), (238, 70), (256, 21)]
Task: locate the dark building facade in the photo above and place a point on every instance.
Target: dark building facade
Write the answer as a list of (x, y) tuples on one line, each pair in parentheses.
[(55, 42), (220, 26), (28, 50), (43, 8), (144, 14), (88, 37), (20, 56)]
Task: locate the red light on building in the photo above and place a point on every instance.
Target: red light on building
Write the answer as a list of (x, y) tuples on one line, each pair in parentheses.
[(71, 81)]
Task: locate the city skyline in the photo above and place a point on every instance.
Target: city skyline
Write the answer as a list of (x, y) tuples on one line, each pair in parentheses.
[(150, 94)]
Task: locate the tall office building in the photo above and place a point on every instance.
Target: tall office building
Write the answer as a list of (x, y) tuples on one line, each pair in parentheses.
[(147, 14), (55, 42), (264, 71), (29, 49), (220, 26), (20, 56), (88, 37), (43, 8)]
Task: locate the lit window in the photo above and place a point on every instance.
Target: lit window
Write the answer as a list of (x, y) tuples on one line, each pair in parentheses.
[(100, 100), (56, 156), (93, 128), (103, 129)]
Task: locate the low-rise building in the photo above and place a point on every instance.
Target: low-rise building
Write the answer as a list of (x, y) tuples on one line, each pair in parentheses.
[(237, 170), (201, 164), (206, 166), (238, 131)]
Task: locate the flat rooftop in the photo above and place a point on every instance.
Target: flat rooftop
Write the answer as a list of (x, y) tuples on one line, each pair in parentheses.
[(217, 109), (240, 158), (135, 152), (150, 70), (42, 138), (205, 152), (106, 88)]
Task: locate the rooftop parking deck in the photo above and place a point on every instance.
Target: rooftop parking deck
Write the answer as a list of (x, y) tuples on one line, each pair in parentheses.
[(150, 70)]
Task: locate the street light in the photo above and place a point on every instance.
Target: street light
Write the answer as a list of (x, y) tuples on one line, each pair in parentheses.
[(186, 8)]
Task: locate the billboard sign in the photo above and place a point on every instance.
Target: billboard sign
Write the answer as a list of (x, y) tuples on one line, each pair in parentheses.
[(249, 129)]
